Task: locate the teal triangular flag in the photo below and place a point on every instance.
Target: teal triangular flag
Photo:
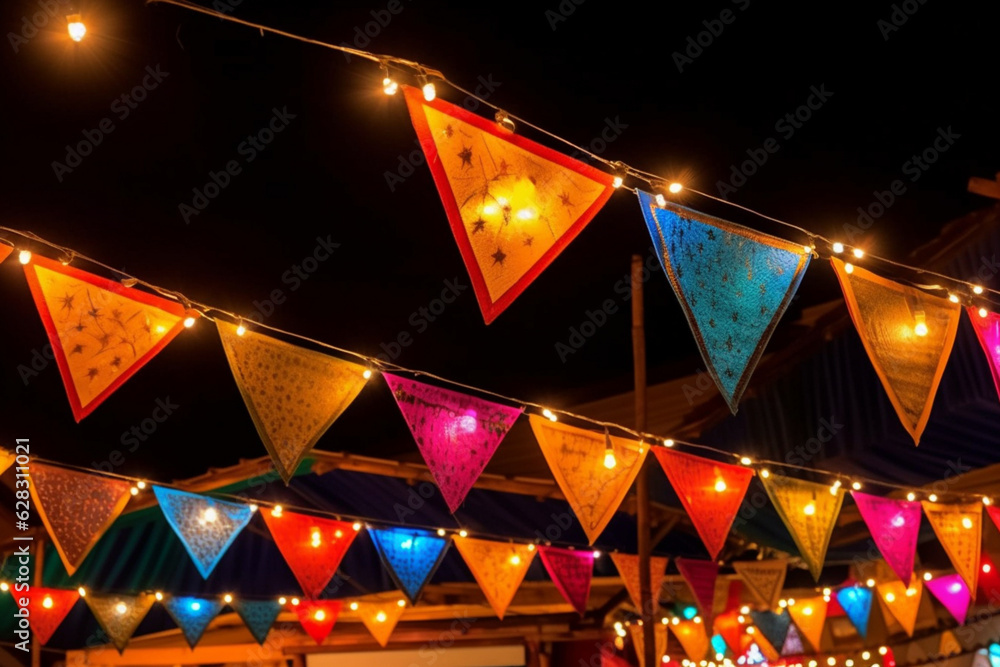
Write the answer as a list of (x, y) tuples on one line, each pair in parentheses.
[(773, 626), (410, 555), (857, 603), (205, 525), (258, 615), (192, 615), (733, 283)]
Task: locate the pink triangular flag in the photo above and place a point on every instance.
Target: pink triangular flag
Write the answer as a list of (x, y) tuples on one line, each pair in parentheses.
[(951, 591), (894, 525), (571, 572), (700, 576), (456, 433)]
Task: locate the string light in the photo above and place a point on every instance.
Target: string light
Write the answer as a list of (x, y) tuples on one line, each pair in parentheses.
[(159, 596), (882, 650), (515, 560), (441, 532), (463, 533), (430, 92), (977, 289), (848, 267), (953, 298), (765, 473), (911, 496), (920, 328), (720, 485), (617, 182), (675, 188), (240, 330), (400, 603), (356, 526), (809, 509), (987, 501), (504, 120), (140, 484), (836, 487), (932, 497), (367, 374), (858, 253), (47, 602), (966, 522), (24, 256), (838, 247), (74, 25), (389, 86), (982, 311), (987, 568), (751, 630), (82, 591), (354, 606), (746, 461), (320, 614), (866, 655), (870, 583), (380, 617), (276, 511), (227, 598), (928, 576), (282, 600), (121, 608), (661, 201), (597, 554), (609, 452), (189, 321), (134, 491), (856, 486), (668, 443), (890, 597), (295, 602), (548, 414), (4, 586), (745, 609)]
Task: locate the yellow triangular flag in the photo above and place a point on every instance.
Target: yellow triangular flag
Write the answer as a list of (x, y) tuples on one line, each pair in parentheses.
[(809, 616), (959, 528), (949, 645), (119, 615), (294, 395), (638, 637), (499, 568), (809, 511), (692, 636), (628, 569), (902, 601), (764, 578), (577, 460), (381, 615), (6, 460)]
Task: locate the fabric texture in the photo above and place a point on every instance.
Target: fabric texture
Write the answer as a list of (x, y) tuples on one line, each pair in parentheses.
[(499, 568), (381, 616), (809, 511), (888, 317), (793, 643), (571, 571), (6, 460), (628, 570), (809, 616), (902, 602), (101, 332), (773, 626), (257, 615), (293, 394), (959, 529), (733, 284), (410, 555), (857, 603), (119, 615), (700, 576), (513, 204), (312, 546), (456, 433), (48, 608), (5, 251), (693, 638), (988, 333), (192, 615), (895, 527), (318, 617), (764, 579), (951, 591)]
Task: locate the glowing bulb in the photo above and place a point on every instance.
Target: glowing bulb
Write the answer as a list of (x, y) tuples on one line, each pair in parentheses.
[(835, 487), (210, 514), (932, 497), (782, 603), (282, 600), (745, 609), (849, 663), (675, 621), (911, 496), (380, 617), (870, 583), (849, 268), (866, 655), (195, 606), (697, 619), (121, 608), (430, 92), (463, 533), (856, 486), (531, 547), (189, 321), (661, 201), (791, 602), (441, 532), (826, 591), (24, 256), (838, 247), (751, 630), (889, 597), (548, 414), (982, 311), (389, 87), (808, 611), (831, 661), (400, 603), (617, 183), (765, 473), (320, 614), (953, 298), (134, 491), (859, 253), (675, 187), (668, 443), (966, 522), (609, 459), (664, 620), (986, 568), (720, 485), (253, 508), (240, 330), (882, 650), (367, 374), (928, 576), (82, 591), (338, 533), (976, 289), (354, 606), (987, 501), (525, 214), (356, 526), (515, 560), (810, 509), (158, 596), (741, 619), (4, 586), (597, 554), (295, 602), (47, 602), (76, 28), (227, 598)]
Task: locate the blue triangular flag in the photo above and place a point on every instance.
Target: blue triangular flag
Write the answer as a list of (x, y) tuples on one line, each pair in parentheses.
[(773, 626), (410, 555), (857, 603), (719, 645), (733, 283), (258, 615), (192, 615), (205, 525)]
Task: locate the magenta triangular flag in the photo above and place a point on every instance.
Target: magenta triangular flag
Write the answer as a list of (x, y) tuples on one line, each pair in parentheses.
[(456, 434), (951, 591), (571, 572), (700, 576), (894, 525)]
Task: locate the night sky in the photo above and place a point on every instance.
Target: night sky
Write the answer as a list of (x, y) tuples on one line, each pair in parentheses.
[(338, 174)]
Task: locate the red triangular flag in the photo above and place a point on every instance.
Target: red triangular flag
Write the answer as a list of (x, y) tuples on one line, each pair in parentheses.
[(513, 204), (728, 625), (317, 617), (101, 332), (700, 576), (312, 547), (5, 250), (571, 572), (711, 492), (48, 607)]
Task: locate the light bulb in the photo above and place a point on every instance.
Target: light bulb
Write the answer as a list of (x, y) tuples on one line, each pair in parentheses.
[(367, 374), (661, 201), (675, 621), (189, 321), (253, 507), (808, 611), (765, 473), (859, 253), (745, 460), (210, 514), (856, 486), (966, 522), (320, 614), (121, 608), (849, 663), (24, 256), (982, 311), (295, 602), (849, 268), (866, 655), (282, 600), (354, 606), (976, 289), (4, 586), (401, 603), (987, 568), (697, 619), (134, 491), (441, 532), (782, 603), (675, 188), (531, 547), (240, 330), (831, 661), (76, 28), (597, 554), (389, 87), (882, 650), (668, 443), (47, 602), (870, 583), (515, 560), (920, 328), (987, 501), (911, 496), (195, 606), (838, 247), (890, 597), (356, 526), (791, 602), (158, 596), (609, 459), (810, 509), (720, 485), (430, 92), (826, 591), (380, 617), (227, 598), (835, 487), (617, 183), (548, 414), (953, 298), (82, 591)]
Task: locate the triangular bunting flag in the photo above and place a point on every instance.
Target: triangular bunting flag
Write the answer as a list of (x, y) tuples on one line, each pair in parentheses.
[(700, 575), (959, 528), (628, 570), (499, 568), (576, 458), (948, 645), (981, 658), (994, 513), (693, 638), (119, 615), (857, 603), (809, 511), (902, 601), (764, 578), (733, 284), (793, 643), (48, 607), (895, 526), (5, 251), (731, 630), (258, 615), (312, 547), (101, 331), (380, 616), (206, 526), (513, 204), (766, 649), (908, 335), (710, 491), (6, 460), (571, 572), (612, 660), (192, 615), (809, 615), (951, 591), (317, 617), (76, 508), (293, 394), (988, 332), (773, 626), (410, 555), (456, 434), (639, 637)]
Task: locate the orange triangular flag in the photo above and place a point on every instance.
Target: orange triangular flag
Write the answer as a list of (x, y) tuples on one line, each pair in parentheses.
[(809, 615), (908, 335), (902, 601), (101, 331), (6, 460), (499, 568), (119, 615), (294, 395), (730, 628), (764, 578), (513, 204), (959, 528), (710, 491), (380, 616), (628, 569), (638, 637), (576, 458), (5, 251), (809, 511), (948, 645), (692, 637), (76, 508)]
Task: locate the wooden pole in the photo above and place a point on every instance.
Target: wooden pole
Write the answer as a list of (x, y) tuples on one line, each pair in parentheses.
[(642, 481)]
